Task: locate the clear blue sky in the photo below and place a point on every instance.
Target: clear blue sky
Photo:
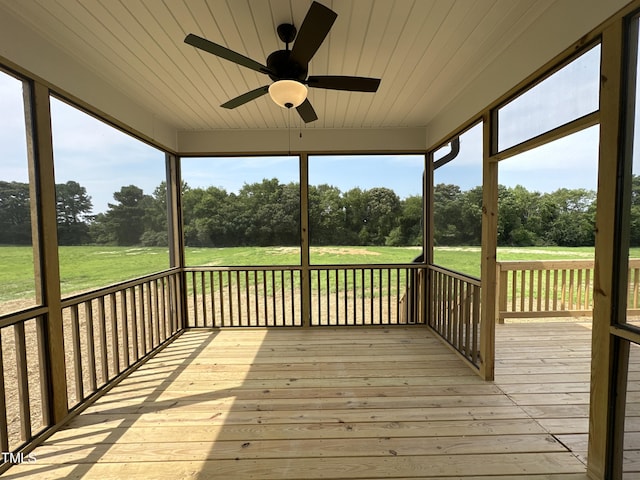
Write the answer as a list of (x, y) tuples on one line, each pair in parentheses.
[(103, 159)]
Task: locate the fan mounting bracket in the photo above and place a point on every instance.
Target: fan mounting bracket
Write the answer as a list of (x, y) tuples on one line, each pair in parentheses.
[(287, 33)]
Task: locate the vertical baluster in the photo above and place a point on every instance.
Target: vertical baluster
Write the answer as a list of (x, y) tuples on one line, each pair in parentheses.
[(388, 294), (142, 318), (456, 313), (531, 290), (203, 301), (587, 290), (246, 297), (152, 314), (91, 346), (274, 308), (636, 275), (319, 296), (221, 297), (194, 298), (264, 299), (149, 318), (523, 279), (539, 292), (4, 431), (102, 332), (514, 292), (174, 305), (230, 293), (125, 328), (476, 324), (571, 290), (293, 297), (212, 289), (337, 302), (362, 296), (469, 327), (115, 342), (134, 324), (555, 290), (257, 301), (464, 292), (162, 325), (380, 295), (578, 304), (347, 293), (398, 296), (23, 381), (283, 289), (372, 297), (355, 297), (547, 288), (43, 367)]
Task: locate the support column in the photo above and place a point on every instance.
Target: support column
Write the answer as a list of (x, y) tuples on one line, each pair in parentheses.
[(45, 235), (305, 276), (602, 402), (176, 234), (488, 292)]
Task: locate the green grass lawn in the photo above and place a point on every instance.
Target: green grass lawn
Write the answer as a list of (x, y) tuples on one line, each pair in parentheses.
[(88, 267)]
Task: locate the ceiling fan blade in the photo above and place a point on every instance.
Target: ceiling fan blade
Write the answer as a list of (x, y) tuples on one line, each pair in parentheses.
[(223, 52), (312, 32), (337, 82), (306, 111), (246, 97)]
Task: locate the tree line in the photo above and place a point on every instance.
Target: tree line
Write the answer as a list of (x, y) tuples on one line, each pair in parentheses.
[(268, 213)]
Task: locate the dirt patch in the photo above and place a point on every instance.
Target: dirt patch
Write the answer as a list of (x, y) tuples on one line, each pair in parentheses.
[(343, 251)]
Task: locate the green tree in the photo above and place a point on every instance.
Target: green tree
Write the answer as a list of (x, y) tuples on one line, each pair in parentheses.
[(73, 207), (446, 214), (15, 213), (155, 218), (124, 222), (409, 229), (574, 222), (327, 215)]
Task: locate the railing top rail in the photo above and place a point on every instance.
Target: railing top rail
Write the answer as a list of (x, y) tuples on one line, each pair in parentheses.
[(22, 316), (241, 268), (358, 266), (544, 264), (460, 276), (368, 266), (84, 297)]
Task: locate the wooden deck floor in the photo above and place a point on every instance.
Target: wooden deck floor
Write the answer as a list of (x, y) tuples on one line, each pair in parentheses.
[(335, 404)]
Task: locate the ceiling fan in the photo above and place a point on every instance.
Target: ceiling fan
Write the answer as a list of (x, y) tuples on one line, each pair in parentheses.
[(289, 68)]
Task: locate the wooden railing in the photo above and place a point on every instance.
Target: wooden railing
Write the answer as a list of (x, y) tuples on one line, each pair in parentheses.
[(455, 310), (349, 295), (109, 330), (557, 288), (106, 333), (243, 296), (337, 295)]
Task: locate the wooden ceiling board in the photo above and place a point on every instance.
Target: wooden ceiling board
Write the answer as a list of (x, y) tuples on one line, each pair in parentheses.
[(427, 53)]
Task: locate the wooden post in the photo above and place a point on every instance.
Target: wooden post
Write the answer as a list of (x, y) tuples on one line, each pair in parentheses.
[(489, 245), (427, 235), (45, 247), (605, 266), (176, 234), (174, 211), (305, 276)]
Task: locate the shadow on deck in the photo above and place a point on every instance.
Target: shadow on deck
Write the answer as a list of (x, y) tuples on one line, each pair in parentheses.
[(335, 403)]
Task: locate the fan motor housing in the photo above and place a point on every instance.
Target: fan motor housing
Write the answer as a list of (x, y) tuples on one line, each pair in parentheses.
[(284, 67)]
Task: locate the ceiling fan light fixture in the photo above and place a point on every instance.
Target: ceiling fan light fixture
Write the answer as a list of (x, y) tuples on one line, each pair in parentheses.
[(288, 93)]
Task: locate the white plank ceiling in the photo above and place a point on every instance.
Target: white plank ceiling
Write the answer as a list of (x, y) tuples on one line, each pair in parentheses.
[(425, 51)]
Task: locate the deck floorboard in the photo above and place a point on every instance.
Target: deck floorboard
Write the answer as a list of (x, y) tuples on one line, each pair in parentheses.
[(335, 404)]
